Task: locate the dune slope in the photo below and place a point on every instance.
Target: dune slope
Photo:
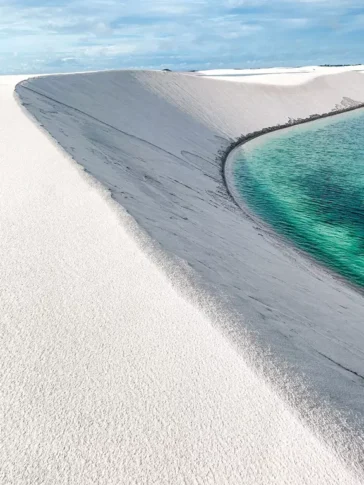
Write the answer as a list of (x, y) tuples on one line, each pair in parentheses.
[(153, 138), (108, 374)]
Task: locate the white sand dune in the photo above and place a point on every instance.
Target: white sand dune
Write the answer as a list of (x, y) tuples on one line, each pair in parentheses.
[(278, 76), (108, 375), (153, 138)]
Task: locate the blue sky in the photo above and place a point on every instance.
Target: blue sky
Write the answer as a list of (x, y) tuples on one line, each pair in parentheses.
[(69, 35)]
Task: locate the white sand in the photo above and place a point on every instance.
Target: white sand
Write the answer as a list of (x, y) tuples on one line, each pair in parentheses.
[(152, 138), (277, 76), (108, 376)]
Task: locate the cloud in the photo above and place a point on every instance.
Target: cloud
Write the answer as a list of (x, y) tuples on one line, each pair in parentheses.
[(51, 35)]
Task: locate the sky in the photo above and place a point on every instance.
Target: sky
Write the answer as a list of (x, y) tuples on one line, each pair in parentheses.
[(39, 36)]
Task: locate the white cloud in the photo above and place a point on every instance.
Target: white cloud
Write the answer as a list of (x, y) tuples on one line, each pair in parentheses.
[(94, 32)]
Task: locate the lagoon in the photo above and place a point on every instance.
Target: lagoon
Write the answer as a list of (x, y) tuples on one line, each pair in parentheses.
[(308, 184)]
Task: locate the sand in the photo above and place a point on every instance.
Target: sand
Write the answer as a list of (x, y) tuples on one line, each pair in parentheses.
[(108, 373), (278, 76), (154, 140)]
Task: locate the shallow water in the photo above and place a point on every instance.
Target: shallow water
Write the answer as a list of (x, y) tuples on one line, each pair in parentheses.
[(308, 184)]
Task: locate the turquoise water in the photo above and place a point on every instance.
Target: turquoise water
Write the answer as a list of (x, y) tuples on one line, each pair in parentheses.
[(308, 184)]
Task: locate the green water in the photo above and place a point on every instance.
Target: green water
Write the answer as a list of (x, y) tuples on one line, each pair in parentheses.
[(308, 184)]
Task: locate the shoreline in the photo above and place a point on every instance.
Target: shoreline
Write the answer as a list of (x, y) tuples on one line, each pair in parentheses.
[(228, 161)]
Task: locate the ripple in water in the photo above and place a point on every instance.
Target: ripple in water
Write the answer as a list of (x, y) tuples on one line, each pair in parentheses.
[(308, 183)]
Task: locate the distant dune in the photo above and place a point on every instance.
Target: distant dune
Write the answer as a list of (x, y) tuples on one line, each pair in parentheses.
[(155, 140)]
